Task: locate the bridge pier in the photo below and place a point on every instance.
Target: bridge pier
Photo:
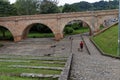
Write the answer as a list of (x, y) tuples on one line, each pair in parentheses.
[(58, 36), (17, 38)]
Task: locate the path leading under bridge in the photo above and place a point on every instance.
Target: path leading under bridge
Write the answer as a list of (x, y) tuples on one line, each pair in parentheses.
[(84, 66)]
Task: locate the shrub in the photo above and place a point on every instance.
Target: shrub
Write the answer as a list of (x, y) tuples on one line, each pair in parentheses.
[(69, 30), (75, 26)]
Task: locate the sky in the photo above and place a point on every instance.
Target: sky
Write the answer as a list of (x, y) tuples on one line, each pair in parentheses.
[(62, 2)]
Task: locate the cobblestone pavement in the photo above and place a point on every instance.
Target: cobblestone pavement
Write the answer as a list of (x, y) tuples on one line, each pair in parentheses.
[(93, 66)]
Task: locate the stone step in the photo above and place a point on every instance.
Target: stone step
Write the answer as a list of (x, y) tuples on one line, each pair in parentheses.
[(53, 62), (36, 67), (33, 58), (33, 75)]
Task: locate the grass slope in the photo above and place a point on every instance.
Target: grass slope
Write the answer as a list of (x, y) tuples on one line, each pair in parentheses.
[(107, 40)]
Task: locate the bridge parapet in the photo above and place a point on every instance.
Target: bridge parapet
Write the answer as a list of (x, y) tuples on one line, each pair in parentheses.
[(60, 15)]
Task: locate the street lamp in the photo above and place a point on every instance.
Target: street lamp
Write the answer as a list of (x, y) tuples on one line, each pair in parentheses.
[(71, 39), (119, 32)]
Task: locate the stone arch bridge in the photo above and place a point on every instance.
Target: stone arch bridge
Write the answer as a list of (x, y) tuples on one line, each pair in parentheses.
[(19, 25)]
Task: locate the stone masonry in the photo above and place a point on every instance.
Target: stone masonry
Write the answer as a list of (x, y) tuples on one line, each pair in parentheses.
[(19, 26)]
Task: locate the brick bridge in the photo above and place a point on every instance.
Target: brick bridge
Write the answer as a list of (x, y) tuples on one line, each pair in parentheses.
[(19, 26)]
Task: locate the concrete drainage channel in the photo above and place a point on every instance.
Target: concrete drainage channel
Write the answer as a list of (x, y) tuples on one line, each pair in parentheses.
[(22, 63)]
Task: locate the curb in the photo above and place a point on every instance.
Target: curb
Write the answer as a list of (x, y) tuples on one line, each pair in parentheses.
[(86, 45), (101, 51), (66, 72)]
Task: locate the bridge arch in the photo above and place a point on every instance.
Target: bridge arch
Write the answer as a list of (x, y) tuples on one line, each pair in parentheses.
[(9, 29), (108, 21), (82, 20), (29, 26)]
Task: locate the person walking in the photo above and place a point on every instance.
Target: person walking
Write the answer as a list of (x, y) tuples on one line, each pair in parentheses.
[(81, 45)]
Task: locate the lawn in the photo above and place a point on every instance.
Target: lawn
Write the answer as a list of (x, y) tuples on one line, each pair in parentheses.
[(79, 31), (8, 72), (40, 35), (23, 78), (108, 41)]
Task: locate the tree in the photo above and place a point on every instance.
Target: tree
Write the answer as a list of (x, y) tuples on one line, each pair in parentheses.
[(6, 9), (83, 6), (3, 30), (40, 28), (26, 7), (48, 6), (69, 8), (31, 7)]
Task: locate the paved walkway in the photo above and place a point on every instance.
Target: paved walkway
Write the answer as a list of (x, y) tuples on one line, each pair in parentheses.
[(84, 66), (94, 66)]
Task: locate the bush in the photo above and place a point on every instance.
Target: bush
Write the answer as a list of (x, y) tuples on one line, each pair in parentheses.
[(75, 26), (69, 30)]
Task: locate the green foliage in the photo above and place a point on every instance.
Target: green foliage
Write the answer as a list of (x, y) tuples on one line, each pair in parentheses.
[(31, 7), (26, 7), (5, 34), (85, 6), (6, 9), (68, 30), (107, 41), (69, 8), (75, 26), (40, 28), (48, 6), (101, 27)]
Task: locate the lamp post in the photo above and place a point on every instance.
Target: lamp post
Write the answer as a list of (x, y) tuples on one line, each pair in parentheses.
[(119, 32), (71, 40)]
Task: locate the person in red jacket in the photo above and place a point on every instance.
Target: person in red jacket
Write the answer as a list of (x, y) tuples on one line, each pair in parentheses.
[(81, 45)]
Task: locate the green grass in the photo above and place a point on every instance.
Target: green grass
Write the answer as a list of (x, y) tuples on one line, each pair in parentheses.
[(40, 35), (32, 63), (11, 73), (2, 77), (4, 67), (8, 70), (107, 40), (8, 36), (79, 31)]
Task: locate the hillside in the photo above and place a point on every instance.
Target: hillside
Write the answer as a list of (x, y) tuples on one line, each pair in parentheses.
[(108, 40)]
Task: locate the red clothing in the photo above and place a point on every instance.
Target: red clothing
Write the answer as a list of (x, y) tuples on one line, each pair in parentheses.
[(81, 44)]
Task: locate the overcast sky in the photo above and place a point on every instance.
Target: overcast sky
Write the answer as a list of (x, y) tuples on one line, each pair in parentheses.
[(62, 2)]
